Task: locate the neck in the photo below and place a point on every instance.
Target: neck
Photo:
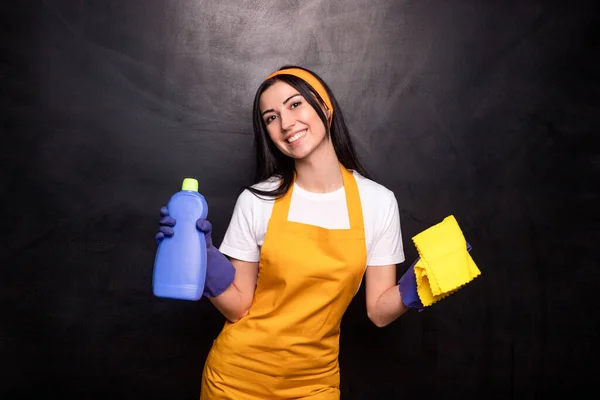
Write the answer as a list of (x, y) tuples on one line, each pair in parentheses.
[(320, 172)]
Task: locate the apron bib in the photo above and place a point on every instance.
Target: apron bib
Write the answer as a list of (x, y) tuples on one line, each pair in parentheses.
[(288, 344)]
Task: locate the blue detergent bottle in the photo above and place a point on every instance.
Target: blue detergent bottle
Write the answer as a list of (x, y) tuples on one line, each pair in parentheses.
[(180, 263)]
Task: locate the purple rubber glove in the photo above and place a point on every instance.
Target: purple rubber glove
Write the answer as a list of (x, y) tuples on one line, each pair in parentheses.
[(166, 225), (219, 270), (408, 287)]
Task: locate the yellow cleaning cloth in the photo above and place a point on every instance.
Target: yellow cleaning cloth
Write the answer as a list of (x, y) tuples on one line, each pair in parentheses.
[(445, 264)]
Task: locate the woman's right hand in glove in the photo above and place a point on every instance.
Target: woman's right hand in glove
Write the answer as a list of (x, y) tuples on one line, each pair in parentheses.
[(166, 224), (219, 270)]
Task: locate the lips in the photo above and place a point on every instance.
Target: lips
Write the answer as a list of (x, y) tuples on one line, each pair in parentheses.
[(296, 136)]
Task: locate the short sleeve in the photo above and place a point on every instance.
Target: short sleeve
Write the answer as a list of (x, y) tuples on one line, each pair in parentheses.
[(387, 247), (240, 240)]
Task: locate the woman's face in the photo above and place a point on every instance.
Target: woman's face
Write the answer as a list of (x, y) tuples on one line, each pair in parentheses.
[(292, 124)]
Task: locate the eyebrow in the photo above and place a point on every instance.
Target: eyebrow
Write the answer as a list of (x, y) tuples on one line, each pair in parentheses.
[(285, 101)]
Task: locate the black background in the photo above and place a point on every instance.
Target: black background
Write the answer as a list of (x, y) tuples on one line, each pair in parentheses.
[(482, 110)]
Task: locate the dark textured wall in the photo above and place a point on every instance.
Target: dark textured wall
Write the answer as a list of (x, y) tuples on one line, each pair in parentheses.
[(483, 110)]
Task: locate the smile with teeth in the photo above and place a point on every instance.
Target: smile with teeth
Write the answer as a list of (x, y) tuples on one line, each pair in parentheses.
[(296, 136)]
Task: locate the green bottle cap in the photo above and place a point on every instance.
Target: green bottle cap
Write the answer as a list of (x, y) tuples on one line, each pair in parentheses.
[(190, 184)]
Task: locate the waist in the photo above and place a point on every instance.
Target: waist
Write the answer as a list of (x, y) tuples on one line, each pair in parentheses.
[(271, 353), (266, 382)]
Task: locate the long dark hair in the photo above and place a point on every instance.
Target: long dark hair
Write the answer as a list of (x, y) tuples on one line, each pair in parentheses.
[(271, 162)]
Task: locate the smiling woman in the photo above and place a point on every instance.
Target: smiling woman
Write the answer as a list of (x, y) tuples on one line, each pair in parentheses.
[(300, 241), (309, 106), (299, 131)]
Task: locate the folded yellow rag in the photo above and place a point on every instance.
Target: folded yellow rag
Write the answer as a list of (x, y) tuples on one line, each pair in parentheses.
[(445, 264)]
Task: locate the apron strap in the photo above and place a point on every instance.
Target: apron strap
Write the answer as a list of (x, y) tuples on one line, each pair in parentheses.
[(355, 213)]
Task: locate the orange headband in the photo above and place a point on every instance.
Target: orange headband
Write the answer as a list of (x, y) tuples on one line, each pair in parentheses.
[(312, 81)]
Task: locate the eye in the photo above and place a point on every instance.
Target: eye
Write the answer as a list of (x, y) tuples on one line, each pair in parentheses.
[(295, 104), (269, 119)]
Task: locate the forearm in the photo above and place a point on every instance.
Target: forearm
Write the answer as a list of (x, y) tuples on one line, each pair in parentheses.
[(388, 308), (234, 299), (231, 303)]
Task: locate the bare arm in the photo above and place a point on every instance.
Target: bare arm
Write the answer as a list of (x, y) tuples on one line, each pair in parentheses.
[(384, 304), (236, 300)]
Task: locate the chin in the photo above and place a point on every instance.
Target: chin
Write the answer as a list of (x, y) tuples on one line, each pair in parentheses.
[(300, 153), (297, 153)]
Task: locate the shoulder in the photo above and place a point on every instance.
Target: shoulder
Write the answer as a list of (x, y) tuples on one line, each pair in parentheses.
[(373, 193), (268, 184), (381, 222), (248, 198), (380, 207)]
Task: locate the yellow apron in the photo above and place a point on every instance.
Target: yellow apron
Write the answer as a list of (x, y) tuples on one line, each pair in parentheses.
[(287, 346)]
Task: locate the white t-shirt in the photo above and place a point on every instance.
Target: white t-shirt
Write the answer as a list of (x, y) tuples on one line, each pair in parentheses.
[(246, 232)]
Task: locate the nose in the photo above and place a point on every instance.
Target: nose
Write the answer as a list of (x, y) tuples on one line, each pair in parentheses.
[(287, 121)]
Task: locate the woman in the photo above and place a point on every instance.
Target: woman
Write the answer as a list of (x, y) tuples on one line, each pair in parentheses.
[(298, 245)]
